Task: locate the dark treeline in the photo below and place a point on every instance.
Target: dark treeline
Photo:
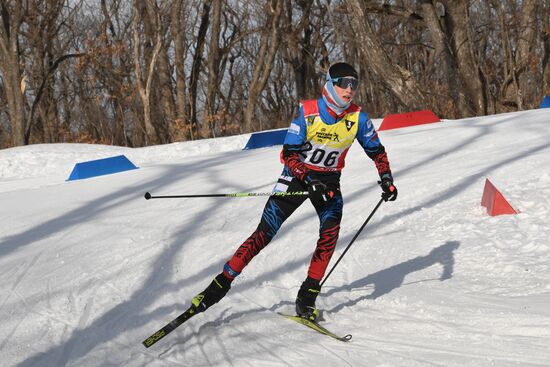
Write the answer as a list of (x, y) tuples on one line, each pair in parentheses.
[(144, 72)]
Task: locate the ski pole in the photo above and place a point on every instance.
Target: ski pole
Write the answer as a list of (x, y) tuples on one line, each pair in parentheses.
[(353, 240), (234, 195)]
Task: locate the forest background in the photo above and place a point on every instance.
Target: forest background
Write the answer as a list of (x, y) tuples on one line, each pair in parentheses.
[(145, 72)]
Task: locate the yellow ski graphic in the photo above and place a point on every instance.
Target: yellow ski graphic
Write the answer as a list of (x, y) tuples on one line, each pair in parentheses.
[(315, 326)]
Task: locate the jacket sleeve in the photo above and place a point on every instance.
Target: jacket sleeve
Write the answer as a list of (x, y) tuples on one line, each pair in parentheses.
[(368, 138), (293, 146)]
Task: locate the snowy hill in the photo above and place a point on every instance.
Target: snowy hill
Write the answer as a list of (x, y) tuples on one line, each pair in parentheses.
[(90, 268)]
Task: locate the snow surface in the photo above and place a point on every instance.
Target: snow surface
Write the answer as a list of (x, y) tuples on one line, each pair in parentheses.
[(89, 268)]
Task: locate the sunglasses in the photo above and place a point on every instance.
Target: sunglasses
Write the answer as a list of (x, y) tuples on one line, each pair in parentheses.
[(346, 82)]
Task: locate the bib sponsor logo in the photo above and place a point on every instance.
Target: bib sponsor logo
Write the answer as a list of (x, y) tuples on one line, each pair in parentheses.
[(323, 135)]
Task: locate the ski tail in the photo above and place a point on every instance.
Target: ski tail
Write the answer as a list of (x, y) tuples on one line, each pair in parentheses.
[(171, 326)]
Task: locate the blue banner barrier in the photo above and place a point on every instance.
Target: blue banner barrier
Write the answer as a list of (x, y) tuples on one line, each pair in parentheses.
[(266, 139), (545, 102), (100, 167)]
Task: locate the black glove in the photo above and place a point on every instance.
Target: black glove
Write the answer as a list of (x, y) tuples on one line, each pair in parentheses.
[(388, 188), (318, 192)]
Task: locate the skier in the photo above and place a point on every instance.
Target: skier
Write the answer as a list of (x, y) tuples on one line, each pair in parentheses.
[(313, 154)]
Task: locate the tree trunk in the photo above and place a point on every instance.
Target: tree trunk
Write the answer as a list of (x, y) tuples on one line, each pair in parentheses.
[(524, 52), (14, 84), (398, 80), (269, 43), (178, 35), (469, 71), (213, 66), (197, 61), (444, 53), (299, 49), (546, 51), (144, 86), (166, 96), (515, 84), (118, 133)]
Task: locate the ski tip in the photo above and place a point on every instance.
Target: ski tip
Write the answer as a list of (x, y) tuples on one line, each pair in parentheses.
[(317, 327)]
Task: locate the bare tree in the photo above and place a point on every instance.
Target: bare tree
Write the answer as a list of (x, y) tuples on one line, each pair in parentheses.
[(113, 77), (164, 96), (398, 80), (444, 53), (546, 49), (47, 49), (213, 66), (144, 78), (157, 71), (178, 33), (197, 60), (269, 43), (449, 25), (299, 51), (13, 13), (459, 34), (518, 50)]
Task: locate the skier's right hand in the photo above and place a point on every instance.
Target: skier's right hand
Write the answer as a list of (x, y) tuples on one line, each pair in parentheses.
[(319, 192), (291, 159)]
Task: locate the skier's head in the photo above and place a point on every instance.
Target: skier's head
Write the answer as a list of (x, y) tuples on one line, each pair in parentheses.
[(341, 70), (341, 84)]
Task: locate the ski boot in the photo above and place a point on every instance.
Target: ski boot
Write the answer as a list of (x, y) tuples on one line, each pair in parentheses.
[(305, 301), (212, 294)]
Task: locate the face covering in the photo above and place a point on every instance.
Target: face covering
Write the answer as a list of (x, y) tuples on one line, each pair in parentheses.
[(331, 98)]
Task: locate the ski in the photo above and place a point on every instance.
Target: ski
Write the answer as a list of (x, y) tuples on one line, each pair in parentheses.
[(168, 328), (315, 326), (192, 311)]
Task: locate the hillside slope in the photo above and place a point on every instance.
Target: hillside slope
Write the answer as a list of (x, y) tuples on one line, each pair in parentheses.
[(90, 268)]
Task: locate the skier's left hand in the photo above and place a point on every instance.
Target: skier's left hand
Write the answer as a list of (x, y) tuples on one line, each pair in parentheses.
[(388, 188)]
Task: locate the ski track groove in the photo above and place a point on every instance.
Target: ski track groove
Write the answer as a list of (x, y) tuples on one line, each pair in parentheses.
[(72, 343), (147, 353), (266, 348), (12, 332), (64, 356), (410, 347), (41, 313), (21, 276), (200, 344), (222, 347), (335, 354)]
